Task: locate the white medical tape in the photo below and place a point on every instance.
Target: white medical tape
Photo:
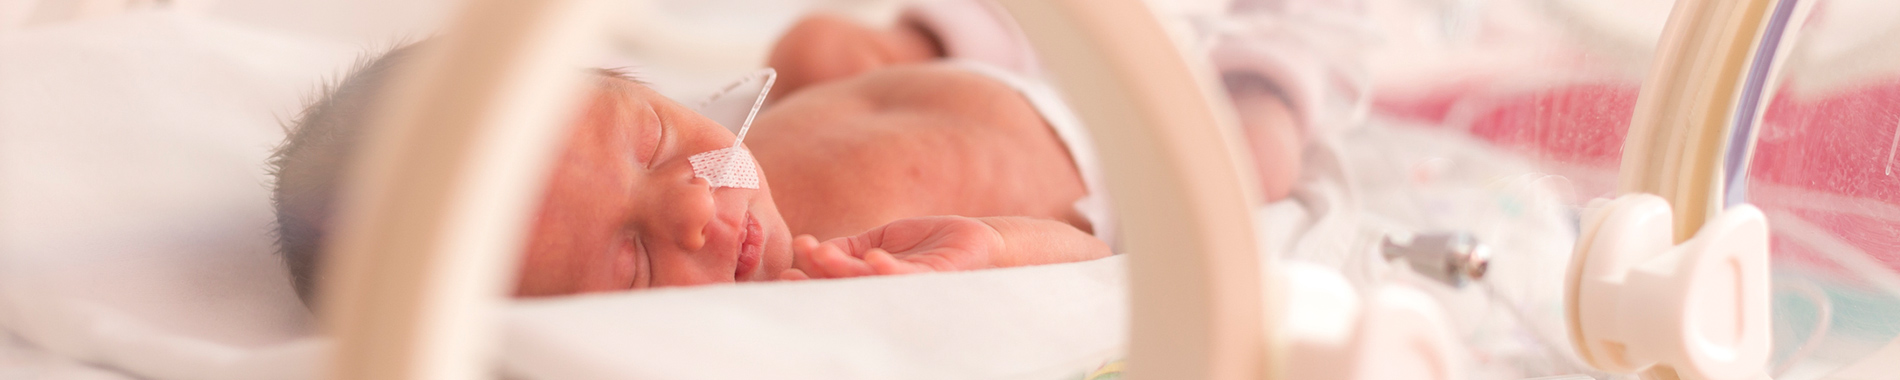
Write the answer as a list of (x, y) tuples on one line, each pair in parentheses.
[(733, 166), (726, 167)]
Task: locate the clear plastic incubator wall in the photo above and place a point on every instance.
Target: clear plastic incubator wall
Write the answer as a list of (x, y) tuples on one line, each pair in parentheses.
[(1287, 189)]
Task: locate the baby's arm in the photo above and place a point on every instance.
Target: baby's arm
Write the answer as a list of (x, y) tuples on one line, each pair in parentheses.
[(943, 244), (1032, 241), (824, 47)]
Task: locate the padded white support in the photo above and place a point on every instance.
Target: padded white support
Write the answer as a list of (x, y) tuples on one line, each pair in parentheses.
[(1397, 333), (1638, 302)]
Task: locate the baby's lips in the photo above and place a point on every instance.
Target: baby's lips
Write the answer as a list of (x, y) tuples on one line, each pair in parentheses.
[(751, 247)]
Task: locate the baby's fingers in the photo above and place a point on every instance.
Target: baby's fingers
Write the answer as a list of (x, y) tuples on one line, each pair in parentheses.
[(835, 263), (804, 252), (882, 262), (820, 260), (793, 275), (830, 259)]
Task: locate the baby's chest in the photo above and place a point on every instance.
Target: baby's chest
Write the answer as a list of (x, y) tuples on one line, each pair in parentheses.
[(916, 161), (931, 168)]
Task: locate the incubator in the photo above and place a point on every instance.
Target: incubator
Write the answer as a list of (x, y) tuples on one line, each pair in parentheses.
[(1552, 189)]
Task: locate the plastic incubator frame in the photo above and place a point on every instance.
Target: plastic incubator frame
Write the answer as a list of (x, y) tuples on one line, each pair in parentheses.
[(423, 256), (1671, 279)]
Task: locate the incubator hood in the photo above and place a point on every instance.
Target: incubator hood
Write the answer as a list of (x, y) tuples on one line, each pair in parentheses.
[(1490, 189), (1566, 102)]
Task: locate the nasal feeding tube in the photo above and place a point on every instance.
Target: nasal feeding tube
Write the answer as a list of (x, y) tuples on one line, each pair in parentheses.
[(733, 166)]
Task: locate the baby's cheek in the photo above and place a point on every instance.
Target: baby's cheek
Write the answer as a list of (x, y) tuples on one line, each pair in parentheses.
[(570, 239), (542, 266), (778, 258)]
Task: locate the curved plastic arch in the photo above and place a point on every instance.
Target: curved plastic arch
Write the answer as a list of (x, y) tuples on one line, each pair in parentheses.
[(1194, 272), (438, 208), (1693, 101), (1692, 131)]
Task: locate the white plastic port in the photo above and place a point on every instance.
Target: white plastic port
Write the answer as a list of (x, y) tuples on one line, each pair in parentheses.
[(1638, 302)]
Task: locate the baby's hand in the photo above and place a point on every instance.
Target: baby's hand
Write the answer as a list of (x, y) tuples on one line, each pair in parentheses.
[(915, 245)]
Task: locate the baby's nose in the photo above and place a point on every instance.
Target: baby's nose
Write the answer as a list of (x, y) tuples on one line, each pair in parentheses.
[(680, 208)]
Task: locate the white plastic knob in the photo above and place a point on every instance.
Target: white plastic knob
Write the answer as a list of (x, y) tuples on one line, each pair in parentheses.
[(1637, 300)]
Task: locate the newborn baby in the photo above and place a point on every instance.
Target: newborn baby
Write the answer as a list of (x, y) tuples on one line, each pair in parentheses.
[(860, 163), (882, 158)]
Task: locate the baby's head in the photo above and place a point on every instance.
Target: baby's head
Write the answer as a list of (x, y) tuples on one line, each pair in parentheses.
[(622, 209)]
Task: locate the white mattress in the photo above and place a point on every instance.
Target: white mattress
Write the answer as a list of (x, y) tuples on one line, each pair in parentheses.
[(1046, 322)]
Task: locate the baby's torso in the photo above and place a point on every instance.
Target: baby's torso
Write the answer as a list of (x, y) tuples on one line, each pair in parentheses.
[(912, 141)]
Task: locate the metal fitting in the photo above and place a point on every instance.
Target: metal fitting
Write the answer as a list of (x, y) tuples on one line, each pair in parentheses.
[(1453, 258)]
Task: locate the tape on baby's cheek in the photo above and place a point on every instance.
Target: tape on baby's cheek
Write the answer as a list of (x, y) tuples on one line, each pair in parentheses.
[(727, 167)]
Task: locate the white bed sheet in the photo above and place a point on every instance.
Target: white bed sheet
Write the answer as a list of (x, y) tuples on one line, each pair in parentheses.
[(131, 152), (1045, 322)]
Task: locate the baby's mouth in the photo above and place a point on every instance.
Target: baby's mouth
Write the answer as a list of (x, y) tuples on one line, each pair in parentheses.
[(751, 248)]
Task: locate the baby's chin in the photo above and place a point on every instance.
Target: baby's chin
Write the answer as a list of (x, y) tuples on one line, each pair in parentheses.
[(778, 243), (778, 258), (777, 255)]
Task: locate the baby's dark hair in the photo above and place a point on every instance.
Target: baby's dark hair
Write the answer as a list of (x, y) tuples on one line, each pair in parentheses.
[(321, 141), (310, 165)]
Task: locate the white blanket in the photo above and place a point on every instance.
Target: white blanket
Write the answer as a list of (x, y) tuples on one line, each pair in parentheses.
[(1043, 322)]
